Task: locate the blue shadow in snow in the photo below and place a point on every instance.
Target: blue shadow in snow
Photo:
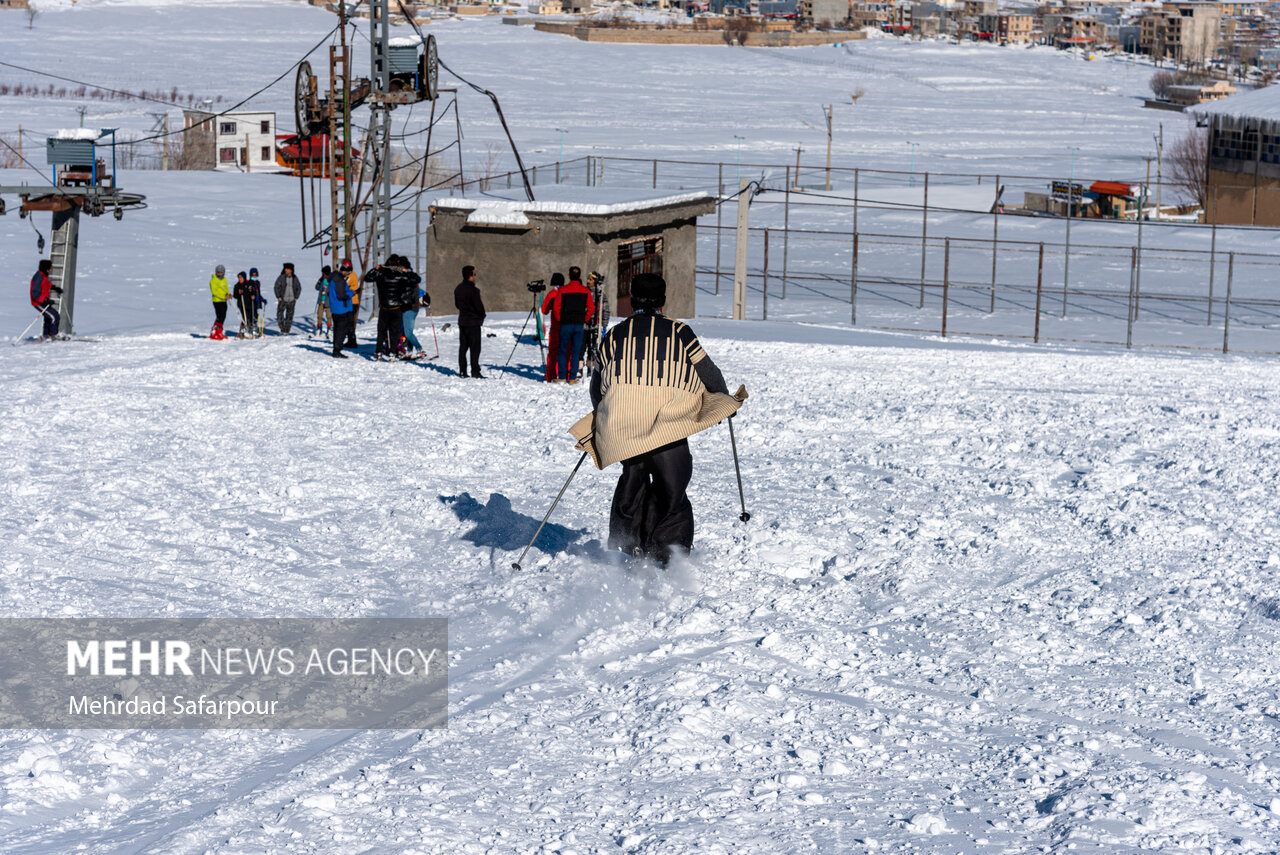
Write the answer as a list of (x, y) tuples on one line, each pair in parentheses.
[(498, 526)]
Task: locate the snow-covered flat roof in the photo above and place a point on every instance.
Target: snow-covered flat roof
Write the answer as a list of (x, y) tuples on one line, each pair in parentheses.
[(512, 212), (78, 134), (1259, 104)]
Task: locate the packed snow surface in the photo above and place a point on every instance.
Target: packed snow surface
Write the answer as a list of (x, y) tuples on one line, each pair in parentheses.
[(989, 599), (992, 598)]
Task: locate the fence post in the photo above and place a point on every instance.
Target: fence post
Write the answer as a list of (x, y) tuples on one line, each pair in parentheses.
[(995, 244), (1039, 289), (719, 209), (1226, 309), (765, 313), (1213, 253), (655, 173), (590, 168), (1133, 272), (786, 229), (946, 281), (535, 176), (853, 284), (924, 237)]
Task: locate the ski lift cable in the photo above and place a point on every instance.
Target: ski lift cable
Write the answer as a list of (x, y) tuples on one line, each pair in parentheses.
[(242, 101), (27, 162)]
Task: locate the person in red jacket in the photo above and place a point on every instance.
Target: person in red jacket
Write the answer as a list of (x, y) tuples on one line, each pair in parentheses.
[(42, 292), (553, 329), (569, 306)]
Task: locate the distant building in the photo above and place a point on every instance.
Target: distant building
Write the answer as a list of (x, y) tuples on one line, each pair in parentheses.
[(1007, 28), (1186, 32), (242, 142), (1243, 158), (512, 243), (1188, 96), (824, 13)]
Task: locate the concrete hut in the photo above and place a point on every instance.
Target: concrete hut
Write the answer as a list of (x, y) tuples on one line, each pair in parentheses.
[(512, 243)]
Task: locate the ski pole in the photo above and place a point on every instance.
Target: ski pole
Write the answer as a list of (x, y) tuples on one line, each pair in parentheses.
[(43, 313), (744, 516), (432, 315), (516, 564)]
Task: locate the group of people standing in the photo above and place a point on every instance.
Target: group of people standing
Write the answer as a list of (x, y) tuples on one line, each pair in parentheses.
[(400, 298), (246, 293), (578, 314)]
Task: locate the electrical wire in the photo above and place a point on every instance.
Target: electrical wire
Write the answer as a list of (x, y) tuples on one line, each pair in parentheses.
[(242, 101), (27, 162), (94, 85)]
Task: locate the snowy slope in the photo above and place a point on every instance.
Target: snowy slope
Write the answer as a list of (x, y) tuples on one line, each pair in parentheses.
[(987, 602), (992, 598)]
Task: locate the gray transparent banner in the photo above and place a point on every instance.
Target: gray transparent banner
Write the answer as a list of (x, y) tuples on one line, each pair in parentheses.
[(224, 673)]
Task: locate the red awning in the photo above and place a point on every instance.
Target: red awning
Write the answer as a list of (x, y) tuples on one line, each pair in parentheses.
[(1111, 188)]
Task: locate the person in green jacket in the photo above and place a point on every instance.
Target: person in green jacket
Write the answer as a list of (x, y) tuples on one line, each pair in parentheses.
[(218, 290)]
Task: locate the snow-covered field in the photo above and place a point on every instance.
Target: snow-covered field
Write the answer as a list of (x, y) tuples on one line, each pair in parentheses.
[(992, 598), (988, 601)]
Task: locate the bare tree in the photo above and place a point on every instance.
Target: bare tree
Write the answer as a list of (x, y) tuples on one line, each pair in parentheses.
[(1188, 161), (32, 14), (856, 94), (1161, 82)]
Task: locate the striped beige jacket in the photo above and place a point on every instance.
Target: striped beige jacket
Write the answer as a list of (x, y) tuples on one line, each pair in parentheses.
[(650, 392)]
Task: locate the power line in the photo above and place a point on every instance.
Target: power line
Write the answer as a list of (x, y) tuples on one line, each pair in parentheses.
[(24, 160), (232, 108), (94, 85)]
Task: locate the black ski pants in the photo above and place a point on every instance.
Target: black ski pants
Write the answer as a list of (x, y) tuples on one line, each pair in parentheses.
[(389, 331), (343, 325), (651, 508), (469, 342), (220, 313)]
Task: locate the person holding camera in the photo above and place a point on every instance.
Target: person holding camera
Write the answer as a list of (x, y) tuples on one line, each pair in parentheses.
[(471, 314), (42, 292), (569, 306), (655, 388)]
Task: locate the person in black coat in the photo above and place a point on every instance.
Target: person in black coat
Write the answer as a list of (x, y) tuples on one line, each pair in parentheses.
[(397, 290), (470, 321)]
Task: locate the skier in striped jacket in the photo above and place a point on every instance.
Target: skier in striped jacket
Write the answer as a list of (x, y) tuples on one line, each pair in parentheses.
[(655, 388)]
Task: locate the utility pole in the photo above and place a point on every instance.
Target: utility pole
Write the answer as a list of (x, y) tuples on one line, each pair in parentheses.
[(1159, 167), (827, 112), (740, 252), (164, 145), (798, 150), (82, 111)]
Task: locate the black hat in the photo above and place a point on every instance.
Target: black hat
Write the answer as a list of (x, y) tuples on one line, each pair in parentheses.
[(326, 270), (648, 291), (557, 279), (288, 265)]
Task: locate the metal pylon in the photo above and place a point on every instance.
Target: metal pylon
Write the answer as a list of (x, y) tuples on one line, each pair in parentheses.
[(380, 129)]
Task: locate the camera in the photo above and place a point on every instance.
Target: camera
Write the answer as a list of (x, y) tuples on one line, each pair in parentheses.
[(537, 286)]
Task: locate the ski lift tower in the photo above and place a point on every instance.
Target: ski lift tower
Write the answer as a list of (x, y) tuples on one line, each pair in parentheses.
[(81, 182), (403, 71)]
